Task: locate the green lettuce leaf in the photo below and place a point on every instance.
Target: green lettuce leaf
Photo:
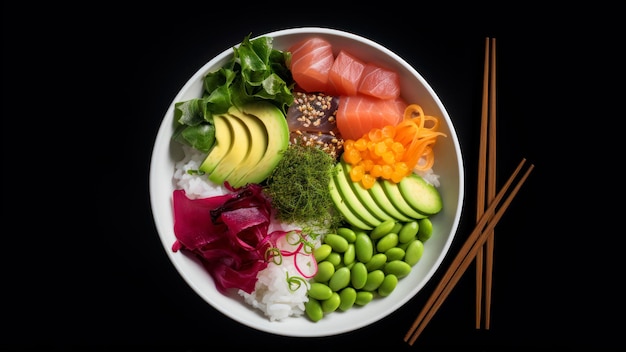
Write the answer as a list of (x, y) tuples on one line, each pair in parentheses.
[(256, 71)]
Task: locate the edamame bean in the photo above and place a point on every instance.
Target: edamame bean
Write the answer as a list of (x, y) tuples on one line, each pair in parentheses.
[(320, 253), (425, 229), (347, 233), (364, 247), (320, 291), (358, 231), (388, 285), (395, 253), (313, 309), (340, 279), (382, 229), (358, 275), (374, 279), (331, 304), (408, 232), (348, 297), (377, 262), (325, 271), (387, 242), (350, 254), (334, 258), (414, 252), (397, 227), (338, 243), (363, 298), (399, 268)]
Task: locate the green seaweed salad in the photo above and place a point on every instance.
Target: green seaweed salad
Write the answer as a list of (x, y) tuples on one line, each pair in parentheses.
[(298, 187)]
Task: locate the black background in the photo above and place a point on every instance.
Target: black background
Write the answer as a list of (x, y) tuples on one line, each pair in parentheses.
[(85, 89)]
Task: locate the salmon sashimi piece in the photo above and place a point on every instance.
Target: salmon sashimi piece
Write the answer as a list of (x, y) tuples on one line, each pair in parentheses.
[(311, 60), (345, 74), (357, 115), (379, 82)]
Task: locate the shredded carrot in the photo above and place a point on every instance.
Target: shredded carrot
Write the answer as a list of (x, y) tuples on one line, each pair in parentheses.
[(394, 152)]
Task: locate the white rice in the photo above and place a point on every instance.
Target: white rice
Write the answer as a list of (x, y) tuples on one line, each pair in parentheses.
[(272, 295), (429, 176), (195, 186)]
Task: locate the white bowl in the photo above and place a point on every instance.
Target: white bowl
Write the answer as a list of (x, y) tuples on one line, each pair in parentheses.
[(448, 165)]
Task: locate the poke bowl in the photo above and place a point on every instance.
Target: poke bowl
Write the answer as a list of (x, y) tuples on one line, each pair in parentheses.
[(180, 170)]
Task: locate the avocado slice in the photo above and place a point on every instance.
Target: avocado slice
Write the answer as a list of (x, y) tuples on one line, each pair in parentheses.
[(351, 200), (393, 193), (259, 138), (238, 151), (378, 194), (365, 197), (223, 143), (346, 212), (420, 195), (277, 140)]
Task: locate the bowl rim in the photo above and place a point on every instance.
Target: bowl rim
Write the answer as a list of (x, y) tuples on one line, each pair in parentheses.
[(165, 225)]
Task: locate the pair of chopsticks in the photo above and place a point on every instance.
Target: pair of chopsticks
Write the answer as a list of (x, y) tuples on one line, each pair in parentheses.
[(486, 175), (487, 218)]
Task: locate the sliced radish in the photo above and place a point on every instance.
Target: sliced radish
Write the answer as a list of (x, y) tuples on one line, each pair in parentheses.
[(305, 264)]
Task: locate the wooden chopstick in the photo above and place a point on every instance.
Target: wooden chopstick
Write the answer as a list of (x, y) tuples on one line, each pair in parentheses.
[(482, 167), (487, 145), (491, 182), (467, 254)]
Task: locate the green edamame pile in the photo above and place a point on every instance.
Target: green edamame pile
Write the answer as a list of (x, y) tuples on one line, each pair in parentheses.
[(355, 266)]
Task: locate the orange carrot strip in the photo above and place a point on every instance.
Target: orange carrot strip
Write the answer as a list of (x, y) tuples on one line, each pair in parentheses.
[(412, 111)]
